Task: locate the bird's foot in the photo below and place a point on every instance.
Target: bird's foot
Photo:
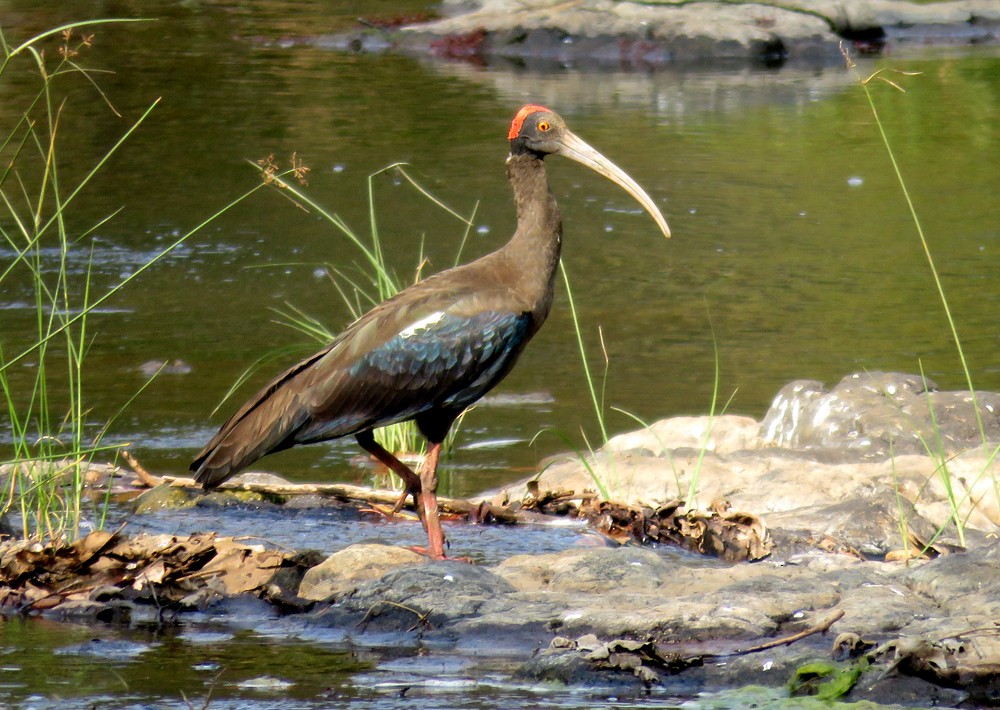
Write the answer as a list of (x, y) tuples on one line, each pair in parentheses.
[(421, 550), (402, 500), (384, 511)]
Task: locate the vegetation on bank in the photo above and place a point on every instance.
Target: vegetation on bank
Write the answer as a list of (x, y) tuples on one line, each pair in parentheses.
[(53, 440)]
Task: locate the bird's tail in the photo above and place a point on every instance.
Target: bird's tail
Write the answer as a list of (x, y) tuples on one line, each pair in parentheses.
[(267, 423)]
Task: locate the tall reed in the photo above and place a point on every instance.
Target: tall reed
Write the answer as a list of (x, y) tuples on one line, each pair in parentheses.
[(934, 448)]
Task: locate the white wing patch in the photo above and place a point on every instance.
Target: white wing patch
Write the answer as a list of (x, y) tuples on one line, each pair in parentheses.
[(421, 324)]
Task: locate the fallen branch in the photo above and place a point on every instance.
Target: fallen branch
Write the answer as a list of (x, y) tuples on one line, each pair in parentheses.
[(145, 477), (347, 492), (376, 609), (820, 628)]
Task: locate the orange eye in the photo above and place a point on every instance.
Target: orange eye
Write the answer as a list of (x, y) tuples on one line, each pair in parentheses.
[(544, 126)]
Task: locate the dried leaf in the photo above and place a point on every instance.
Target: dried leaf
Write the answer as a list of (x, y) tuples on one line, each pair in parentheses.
[(849, 645), (153, 574), (86, 548), (244, 569)]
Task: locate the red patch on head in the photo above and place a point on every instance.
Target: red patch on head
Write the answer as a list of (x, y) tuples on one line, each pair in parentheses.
[(515, 125)]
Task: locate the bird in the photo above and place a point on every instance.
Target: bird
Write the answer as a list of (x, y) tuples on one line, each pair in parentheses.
[(433, 349)]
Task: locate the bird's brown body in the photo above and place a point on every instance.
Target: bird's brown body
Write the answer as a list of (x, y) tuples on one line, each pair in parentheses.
[(427, 353)]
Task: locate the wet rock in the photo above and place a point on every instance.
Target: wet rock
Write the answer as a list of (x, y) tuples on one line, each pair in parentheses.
[(570, 668), (83, 610), (309, 501), (626, 571), (265, 683), (780, 425), (619, 662), (346, 569), (904, 691), (440, 592), (163, 497), (230, 498)]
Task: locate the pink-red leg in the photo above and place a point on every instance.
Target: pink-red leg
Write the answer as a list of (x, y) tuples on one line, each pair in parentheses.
[(423, 488), (428, 502)]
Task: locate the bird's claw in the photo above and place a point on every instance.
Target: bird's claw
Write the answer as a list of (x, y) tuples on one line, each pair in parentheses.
[(421, 550)]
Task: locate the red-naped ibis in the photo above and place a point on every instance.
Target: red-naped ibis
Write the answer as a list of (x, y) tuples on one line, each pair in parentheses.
[(433, 349)]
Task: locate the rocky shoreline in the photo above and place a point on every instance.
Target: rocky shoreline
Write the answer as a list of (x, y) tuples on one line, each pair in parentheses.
[(654, 33), (864, 574)]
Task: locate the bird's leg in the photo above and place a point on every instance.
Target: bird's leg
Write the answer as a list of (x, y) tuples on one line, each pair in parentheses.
[(428, 502), (411, 481)]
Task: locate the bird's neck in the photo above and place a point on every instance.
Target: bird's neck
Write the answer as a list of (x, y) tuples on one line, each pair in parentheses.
[(533, 252)]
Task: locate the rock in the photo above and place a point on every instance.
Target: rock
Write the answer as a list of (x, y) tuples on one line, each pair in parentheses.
[(552, 33), (825, 469), (725, 434), (622, 32), (630, 570), (345, 570), (624, 663), (863, 525), (152, 368), (265, 683), (970, 581), (443, 591), (163, 496), (877, 414), (782, 421), (228, 498), (257, 478)]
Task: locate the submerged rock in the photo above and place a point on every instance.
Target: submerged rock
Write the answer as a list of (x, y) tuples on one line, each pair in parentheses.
[(163, 496)]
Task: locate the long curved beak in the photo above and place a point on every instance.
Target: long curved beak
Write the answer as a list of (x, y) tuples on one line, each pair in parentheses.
[(577, 149)]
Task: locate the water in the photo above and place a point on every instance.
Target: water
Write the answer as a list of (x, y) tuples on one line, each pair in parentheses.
[(331, 529), (172, 667), (793, 255)]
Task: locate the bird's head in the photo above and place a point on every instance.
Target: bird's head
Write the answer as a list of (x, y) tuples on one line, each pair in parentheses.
[(536, 129)]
